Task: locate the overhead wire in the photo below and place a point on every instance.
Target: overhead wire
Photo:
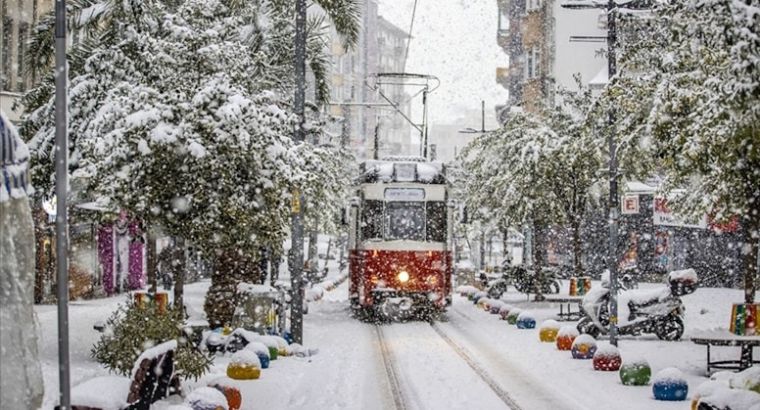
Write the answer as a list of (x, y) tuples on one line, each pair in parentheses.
[(409, 39)]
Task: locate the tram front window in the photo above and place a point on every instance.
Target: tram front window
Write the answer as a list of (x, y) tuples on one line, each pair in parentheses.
[(372, 220), (405, 220)]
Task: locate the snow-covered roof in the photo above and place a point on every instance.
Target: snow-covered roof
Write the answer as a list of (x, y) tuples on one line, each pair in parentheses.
[(637, 187), (403, 170)]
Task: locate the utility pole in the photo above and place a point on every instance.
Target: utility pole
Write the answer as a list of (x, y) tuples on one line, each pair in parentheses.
[(296, 238), (61, 193), (614, 206)]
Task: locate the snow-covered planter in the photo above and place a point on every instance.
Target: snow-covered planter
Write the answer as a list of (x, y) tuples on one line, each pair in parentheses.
[(261, 351), (727, 390), (670, 385), (748, 379), (607, 358), (207, 398), (635, 372), (566, 336), (244, 365), (548, 331), (526, 320), (584, 347), (512, 316)]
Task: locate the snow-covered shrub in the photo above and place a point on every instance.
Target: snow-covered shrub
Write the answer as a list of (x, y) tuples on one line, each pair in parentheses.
[(132, 330)]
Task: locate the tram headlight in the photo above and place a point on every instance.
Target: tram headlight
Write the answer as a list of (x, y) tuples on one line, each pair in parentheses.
[(403, 276)]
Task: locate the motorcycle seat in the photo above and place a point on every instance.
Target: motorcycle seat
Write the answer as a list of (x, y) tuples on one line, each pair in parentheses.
[(639, 299)]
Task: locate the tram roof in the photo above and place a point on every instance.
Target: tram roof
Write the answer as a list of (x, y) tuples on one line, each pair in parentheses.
[(402, 170)]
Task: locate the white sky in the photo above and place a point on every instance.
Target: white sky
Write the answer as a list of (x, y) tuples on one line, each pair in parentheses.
[(454, 40)]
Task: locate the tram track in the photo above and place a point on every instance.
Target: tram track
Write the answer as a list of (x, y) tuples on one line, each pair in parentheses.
[(390, 370), (400, 396), (462, 353)]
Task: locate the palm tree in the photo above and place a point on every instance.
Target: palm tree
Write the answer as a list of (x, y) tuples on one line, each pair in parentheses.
[(98, 21)]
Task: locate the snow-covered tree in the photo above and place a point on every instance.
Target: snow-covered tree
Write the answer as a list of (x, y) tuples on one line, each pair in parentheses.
[(538, 170), (181, 119), (691, 83), (509, 176)]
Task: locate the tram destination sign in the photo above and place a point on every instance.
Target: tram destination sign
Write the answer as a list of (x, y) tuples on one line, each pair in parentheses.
[(404, 194)]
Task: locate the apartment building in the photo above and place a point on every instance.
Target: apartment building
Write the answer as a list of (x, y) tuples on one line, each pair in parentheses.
[(380, 49), (394, 131), (19, 17), (546, 46)]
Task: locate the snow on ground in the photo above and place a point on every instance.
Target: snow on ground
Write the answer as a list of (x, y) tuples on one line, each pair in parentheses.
[(431, 376), (348, 372)]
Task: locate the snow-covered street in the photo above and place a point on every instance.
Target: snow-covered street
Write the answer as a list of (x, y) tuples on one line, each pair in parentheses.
[(468, 359)]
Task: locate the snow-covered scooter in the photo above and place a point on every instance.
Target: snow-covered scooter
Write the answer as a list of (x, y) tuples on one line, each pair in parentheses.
[(659, 311)]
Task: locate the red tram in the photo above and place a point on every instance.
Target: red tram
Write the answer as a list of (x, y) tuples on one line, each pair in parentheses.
[(400, 230)]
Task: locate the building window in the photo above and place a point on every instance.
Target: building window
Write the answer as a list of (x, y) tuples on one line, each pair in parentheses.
[(503, 20), (533, 63), (23, 39), (532, 5), (5, 75)]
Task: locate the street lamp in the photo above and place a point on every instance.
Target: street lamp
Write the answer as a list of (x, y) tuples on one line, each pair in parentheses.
[(61, 193), (482, 130), (296, 236), (614, 208)]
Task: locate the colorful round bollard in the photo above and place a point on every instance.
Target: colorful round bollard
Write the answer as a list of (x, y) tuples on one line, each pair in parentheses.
[(548, 330), (282, 345), (513, 314), (504, 311), (635, 373), (670, 385), (565, 337), (231, 393), (244, 365), (525, 320), (477, 296), (584, 347), (485, 303), (271, 346), (495, 307), (261, 351), (607, 358)]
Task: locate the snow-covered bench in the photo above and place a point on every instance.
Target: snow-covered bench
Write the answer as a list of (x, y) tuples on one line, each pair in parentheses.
[(152, 380), (725, 338)]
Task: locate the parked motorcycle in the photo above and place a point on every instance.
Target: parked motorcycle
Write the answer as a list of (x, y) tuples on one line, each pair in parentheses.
[(659, 311), (524, 280)]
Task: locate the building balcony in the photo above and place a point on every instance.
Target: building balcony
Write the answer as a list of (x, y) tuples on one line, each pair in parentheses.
[(502, 76)]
